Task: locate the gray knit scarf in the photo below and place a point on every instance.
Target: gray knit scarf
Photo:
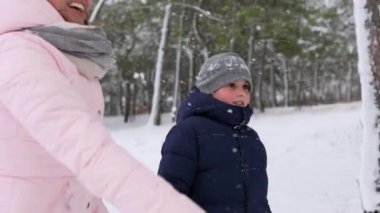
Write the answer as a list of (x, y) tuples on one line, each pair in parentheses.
[(83, 42)]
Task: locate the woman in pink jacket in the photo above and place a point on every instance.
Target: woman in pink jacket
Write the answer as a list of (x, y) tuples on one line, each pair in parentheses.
[(55, 153)]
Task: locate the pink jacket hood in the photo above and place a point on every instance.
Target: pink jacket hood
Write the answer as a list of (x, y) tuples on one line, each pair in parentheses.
[(19, 14)]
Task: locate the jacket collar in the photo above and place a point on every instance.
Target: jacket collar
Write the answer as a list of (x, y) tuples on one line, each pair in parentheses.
[(200, 104)]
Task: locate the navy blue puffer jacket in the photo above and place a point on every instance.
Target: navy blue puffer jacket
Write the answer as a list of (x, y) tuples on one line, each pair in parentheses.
[(213, 157)]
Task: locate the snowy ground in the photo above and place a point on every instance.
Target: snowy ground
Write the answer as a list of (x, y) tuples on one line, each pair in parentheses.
[(313, 155)]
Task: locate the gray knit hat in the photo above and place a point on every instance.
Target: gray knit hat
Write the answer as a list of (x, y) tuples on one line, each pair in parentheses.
[(220, 70)]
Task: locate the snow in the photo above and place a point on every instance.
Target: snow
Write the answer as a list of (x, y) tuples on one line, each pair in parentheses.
[(313, 154)]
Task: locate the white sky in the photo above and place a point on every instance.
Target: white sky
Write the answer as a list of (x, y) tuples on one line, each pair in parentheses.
[(313, 155)]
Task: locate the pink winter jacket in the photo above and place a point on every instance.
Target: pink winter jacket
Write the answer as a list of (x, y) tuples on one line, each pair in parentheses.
[(55, 154)]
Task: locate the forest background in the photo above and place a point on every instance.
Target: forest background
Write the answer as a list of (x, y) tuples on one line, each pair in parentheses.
[(300, 52)]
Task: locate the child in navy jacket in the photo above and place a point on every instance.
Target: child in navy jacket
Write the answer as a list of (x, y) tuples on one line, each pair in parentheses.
[(211, 155)]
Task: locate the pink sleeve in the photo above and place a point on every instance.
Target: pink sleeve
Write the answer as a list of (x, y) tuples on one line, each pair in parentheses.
[(42, 99)]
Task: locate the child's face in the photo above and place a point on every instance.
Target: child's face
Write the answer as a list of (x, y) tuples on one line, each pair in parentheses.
[(235, 93)]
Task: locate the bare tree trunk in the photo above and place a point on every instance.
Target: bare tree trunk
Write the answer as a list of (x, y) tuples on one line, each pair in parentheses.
[(177, 68), (204, 50), (122, 95), (127, 106), (250, 58), (155, 115), (285, 79), (260, 84), (96, 11), (299, 88), (232, 44), (290, 91), (272, 87), (349, 83), (338, 90), (367, 21), (190, 55), (232, 38), (316, 91), (135, 90)]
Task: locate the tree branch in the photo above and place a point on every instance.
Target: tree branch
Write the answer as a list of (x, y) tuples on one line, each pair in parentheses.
[(201, 11)]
